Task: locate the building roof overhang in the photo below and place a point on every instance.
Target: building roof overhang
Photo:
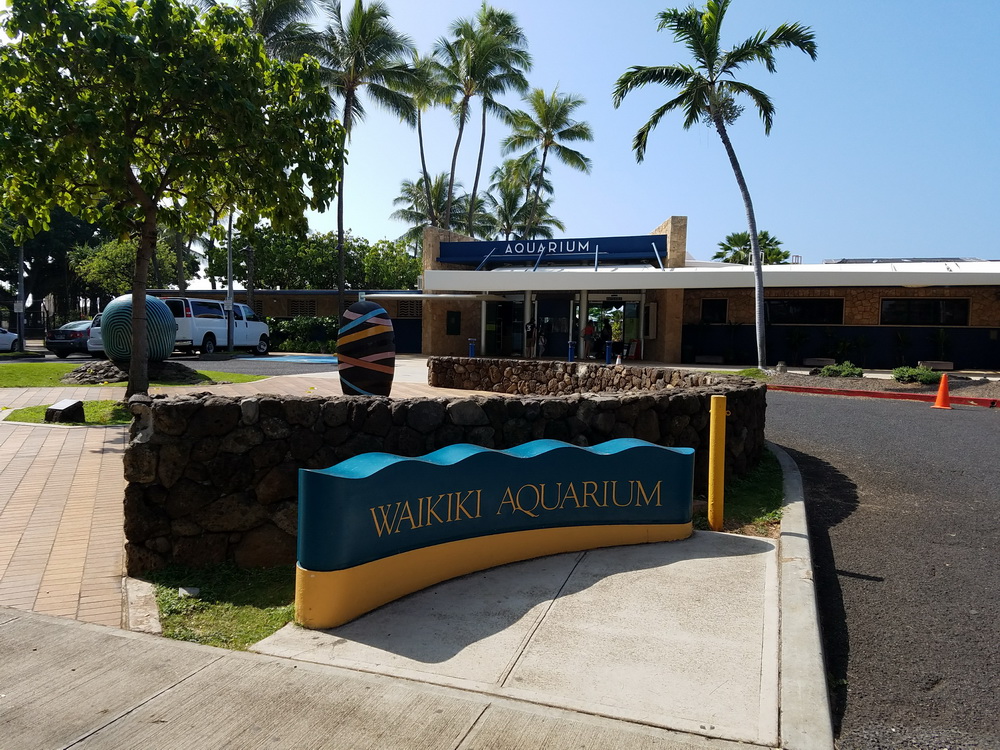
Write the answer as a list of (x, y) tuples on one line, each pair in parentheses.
[(716, 276)]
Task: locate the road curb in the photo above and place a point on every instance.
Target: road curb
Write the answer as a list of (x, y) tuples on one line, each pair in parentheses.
[(897, 395), (806, 722)]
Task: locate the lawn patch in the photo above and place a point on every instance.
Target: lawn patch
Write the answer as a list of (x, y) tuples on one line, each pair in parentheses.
[(95, 412), (752, 505), (234, 608)]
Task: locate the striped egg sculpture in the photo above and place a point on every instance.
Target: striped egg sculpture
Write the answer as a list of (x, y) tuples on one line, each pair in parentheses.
[(116, 329), (366, 350)]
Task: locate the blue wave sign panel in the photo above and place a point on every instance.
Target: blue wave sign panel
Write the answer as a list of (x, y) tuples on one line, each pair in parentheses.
[(646, 247), (378, 526)]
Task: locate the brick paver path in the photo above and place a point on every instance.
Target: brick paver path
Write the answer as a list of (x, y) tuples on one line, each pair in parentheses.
[(61, 490)]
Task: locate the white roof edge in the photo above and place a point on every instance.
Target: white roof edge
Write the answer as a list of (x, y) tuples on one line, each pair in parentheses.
[(982, 273)]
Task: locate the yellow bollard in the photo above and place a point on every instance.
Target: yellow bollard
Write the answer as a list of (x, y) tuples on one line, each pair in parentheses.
[(717, 463)]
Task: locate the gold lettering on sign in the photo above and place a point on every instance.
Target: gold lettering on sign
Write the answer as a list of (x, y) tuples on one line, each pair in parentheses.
[(401, 515), (639, 492)]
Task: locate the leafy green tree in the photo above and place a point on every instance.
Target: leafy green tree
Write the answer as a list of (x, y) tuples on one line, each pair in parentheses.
[(47, 267), (363, 52), (737, 248), (486, 56), (708, 93), (547, 127), (387, 265), (110, 266), (115, 108)]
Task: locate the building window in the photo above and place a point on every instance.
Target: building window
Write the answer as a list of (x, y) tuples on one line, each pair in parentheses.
[(303, 307), (817, 311), (453, 323), (924, 311), (410, 308), (714, 310)]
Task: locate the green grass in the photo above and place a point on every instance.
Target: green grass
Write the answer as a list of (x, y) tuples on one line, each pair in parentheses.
[(94, 412), (21, 355), (753, 372), (234, 608), (752, 505), (48, 374)]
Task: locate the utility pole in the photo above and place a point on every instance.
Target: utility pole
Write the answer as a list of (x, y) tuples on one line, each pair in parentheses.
[(19, 305), (229, 288)]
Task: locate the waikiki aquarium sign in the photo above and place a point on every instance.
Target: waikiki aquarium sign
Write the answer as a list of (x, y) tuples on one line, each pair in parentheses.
[(378, 526), (646, 247)]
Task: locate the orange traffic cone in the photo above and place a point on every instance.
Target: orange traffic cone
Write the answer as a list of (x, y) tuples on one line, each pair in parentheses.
[(943, 401)]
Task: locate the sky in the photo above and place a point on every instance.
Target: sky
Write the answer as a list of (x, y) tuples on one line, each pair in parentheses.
[(883, 147)]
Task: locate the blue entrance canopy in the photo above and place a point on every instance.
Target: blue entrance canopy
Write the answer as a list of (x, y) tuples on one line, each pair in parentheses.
[(651, 248)]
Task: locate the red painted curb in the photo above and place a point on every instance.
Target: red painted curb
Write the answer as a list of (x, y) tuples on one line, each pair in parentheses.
[(928, 397)]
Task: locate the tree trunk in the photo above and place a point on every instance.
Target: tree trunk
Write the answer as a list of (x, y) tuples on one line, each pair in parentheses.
[(538, 194), (479, 170), (758, 274), (138, 372), (431, 216), (251, 274), (341, 300), (446, 224)]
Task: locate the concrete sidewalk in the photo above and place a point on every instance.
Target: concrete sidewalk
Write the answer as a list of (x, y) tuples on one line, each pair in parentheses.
[(711, 642)]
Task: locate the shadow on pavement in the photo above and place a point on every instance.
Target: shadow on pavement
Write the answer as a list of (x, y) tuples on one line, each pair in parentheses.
[(830, 498)]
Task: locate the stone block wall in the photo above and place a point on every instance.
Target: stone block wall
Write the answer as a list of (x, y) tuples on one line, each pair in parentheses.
[(214, 478)]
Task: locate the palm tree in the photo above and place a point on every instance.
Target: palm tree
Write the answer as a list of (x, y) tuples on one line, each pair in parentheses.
[(736, 248), (522, 173), (708, 91), (426, 91), (547, 127), (284, 25), (511, 215), (486, 57), (364, 51), (420, 202)]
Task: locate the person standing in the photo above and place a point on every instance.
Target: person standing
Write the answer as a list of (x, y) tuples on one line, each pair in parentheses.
[(588, 338)]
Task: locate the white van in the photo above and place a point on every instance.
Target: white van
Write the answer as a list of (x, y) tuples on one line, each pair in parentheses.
[(201, 325)]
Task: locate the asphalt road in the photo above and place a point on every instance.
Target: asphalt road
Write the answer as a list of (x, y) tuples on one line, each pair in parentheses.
[(904, 513)]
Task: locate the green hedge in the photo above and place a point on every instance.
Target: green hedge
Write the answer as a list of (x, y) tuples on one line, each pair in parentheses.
[(304, 334)]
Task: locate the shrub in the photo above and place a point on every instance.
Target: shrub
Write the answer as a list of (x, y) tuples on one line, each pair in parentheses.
[(304, 334), (923, 375), (845, 369)]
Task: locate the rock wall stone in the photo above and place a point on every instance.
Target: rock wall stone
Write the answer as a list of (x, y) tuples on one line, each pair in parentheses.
[(214, 478)]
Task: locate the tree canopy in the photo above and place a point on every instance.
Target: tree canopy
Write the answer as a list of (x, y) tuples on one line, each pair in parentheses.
[(147, 113), (737, 248)]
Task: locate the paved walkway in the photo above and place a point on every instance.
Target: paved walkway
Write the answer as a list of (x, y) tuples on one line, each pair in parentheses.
[(61, 492)]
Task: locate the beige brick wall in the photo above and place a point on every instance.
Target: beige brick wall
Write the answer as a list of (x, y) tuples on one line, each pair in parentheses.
[(861, 304)]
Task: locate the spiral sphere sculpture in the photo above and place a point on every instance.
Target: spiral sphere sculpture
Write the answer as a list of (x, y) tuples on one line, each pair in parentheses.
[(116, 329)]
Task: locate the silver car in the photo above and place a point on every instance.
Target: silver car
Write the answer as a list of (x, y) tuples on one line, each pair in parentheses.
[(8, 340), (95, 344)]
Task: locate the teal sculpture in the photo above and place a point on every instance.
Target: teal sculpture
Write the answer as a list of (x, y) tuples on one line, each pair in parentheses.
[(116, 329)]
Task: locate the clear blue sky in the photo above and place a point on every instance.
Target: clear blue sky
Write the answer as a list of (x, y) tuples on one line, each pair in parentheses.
[(883, 147)]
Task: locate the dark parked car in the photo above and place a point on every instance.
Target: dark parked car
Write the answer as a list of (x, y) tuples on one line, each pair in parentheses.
[(70, 338)]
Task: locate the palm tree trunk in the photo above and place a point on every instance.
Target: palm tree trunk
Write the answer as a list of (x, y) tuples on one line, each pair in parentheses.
[(431, 216), (479, 170), (454, 164), (341, 301), (538, 194), (758, 274)]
